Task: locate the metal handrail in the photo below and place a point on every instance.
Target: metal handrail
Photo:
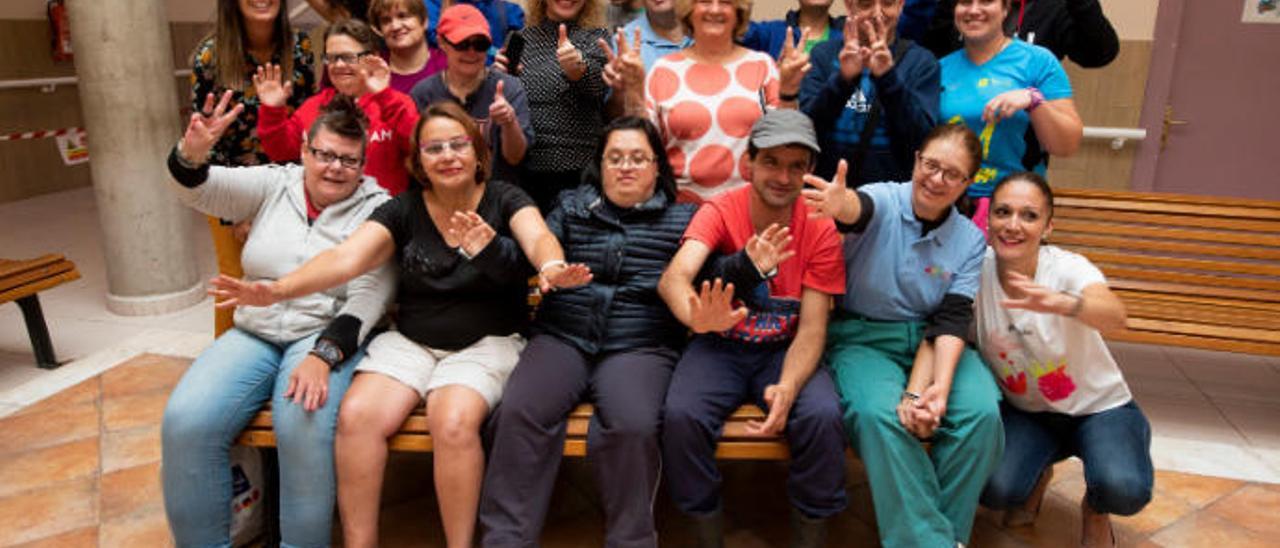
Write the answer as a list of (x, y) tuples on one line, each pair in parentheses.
[(1118, 135), (47, 85)]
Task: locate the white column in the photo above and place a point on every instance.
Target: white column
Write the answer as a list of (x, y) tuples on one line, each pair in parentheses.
[(124, 60)]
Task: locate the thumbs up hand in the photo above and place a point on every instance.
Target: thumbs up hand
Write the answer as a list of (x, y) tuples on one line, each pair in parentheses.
[(500, 111), (570, 57)]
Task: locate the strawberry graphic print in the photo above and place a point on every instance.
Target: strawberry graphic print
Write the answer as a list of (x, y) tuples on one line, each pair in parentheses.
[(1053, 381)]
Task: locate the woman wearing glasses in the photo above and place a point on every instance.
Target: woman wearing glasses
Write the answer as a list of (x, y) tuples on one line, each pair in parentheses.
[(496, 100), (612, 342), (298, 355), (896, 344), (461, 242), (353, 69)]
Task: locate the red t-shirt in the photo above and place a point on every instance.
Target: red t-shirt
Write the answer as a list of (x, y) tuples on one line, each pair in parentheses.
[(392, 116), (724, 224)]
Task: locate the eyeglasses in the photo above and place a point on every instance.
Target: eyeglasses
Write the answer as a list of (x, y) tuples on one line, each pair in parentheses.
[(326, 157), (619, 161), (459, 145), (478, 44), (932, 167), (348, 58)]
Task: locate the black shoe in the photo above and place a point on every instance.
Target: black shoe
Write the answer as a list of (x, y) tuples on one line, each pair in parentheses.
[(807, 532), (709, 529)]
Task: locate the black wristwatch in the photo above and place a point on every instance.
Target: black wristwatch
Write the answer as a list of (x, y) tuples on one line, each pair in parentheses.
[(328, 352)]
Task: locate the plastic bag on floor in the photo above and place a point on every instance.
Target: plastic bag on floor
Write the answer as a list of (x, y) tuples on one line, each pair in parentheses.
[(248, 518)]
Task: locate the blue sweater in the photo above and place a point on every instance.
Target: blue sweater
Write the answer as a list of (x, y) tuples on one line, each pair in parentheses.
[(908, 95), (627, 250)]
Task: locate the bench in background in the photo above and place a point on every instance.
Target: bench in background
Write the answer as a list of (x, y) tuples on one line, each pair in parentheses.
[(20, 281)]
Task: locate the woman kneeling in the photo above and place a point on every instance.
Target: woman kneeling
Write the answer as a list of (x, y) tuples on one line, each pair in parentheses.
[(1040, 310)]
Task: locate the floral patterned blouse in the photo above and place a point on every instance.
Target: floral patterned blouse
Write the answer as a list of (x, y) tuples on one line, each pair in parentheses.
[(239, 146)]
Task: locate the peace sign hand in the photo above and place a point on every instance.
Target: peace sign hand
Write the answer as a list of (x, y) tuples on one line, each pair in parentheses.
[(207, 126), (850, 56), (711, 310), (625, 68), (269, 85), (877, 57), (832, 199), (794, 63)]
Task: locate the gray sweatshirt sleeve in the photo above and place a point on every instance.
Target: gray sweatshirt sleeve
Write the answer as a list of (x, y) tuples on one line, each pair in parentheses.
[(368, 296), (235, 193)]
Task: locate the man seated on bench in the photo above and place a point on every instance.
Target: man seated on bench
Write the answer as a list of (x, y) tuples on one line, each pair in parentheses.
[(764, 346)]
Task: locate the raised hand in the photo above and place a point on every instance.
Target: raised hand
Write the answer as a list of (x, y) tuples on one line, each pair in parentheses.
[(232, 292), (501, 112), (779, 397), (831, 199), (207, 126), (375, 74), (563, 276), (625, 68), (877, 57), (270, 86), (850, 56), (769, 248), (1006, 105), (309, 383), (794, 63), (471, 232), (711, 310), (570, 56), (1038, 298)]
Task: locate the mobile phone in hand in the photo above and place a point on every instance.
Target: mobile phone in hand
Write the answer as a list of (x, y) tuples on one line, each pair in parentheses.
[(513, 45)]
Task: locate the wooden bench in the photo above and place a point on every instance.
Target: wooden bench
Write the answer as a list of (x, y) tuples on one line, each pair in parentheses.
[(20, 281), (1193, 271), (735, 442)]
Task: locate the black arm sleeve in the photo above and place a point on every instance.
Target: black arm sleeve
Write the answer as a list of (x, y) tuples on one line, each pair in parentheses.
[(1091, 40), (736, 269), (860, 225), (951, 318), (344, 331), (188, 177)]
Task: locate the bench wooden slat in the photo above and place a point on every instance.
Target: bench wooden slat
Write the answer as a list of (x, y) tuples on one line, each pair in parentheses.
[(9, 267), (1122, 196), (1189, 278), (1160, 219), (1185, 289), (1102, 257), (1230, 304), (1165, 246), (1186, 312), (1163, 232), (1195, 341), (31, 281)]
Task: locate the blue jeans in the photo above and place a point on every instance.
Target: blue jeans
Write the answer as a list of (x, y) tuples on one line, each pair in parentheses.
[(216, 398), (1115, 446)]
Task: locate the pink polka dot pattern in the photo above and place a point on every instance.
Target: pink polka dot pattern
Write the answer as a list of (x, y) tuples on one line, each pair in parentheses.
[(705, 113), (712, 166), (736, 115)]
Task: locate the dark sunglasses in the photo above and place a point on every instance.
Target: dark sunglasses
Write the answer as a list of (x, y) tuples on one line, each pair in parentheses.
[(478, 44)]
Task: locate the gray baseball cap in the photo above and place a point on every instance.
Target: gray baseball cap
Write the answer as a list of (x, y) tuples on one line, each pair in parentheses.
[(784, 126)]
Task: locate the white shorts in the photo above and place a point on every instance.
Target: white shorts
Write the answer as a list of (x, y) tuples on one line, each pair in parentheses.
[(484, 366)]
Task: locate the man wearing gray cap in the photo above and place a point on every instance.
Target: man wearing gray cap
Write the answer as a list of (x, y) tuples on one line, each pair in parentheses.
[(760, 323)]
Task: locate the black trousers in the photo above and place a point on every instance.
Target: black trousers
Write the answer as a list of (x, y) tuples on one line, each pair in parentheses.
[(551, 378)]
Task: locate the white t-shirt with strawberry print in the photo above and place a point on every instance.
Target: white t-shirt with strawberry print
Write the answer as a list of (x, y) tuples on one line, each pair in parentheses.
[(1048, 362)]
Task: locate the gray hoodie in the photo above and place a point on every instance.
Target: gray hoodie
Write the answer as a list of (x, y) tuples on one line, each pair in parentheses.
[(282, 240)]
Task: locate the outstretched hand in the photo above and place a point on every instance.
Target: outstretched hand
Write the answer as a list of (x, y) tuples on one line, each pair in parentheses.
[(1038, 298), (207, 126), (564, 276), (831, 199), (471, 232), (711, 309), (270, 86), (232, 292), (769, 249)]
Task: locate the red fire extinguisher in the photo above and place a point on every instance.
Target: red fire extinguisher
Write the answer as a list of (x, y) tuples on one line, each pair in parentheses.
[(59, 30)]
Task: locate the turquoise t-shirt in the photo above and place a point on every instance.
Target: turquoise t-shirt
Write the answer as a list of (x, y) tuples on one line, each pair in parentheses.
[(966, 89)]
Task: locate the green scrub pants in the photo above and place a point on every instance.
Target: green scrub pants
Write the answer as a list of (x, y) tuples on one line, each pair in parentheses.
[(922, 499)]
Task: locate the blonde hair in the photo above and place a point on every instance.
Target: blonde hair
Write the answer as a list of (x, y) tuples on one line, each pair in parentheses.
[(741, 8), (591, 15)]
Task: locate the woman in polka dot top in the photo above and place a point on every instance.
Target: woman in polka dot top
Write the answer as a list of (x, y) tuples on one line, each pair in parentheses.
[(705, 98)]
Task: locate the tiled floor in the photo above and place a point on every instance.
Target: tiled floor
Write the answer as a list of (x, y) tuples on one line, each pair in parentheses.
[(80, 467)]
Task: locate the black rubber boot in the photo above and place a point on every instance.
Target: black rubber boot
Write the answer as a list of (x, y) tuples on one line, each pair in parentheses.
[(709, 529), (807, 532)]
